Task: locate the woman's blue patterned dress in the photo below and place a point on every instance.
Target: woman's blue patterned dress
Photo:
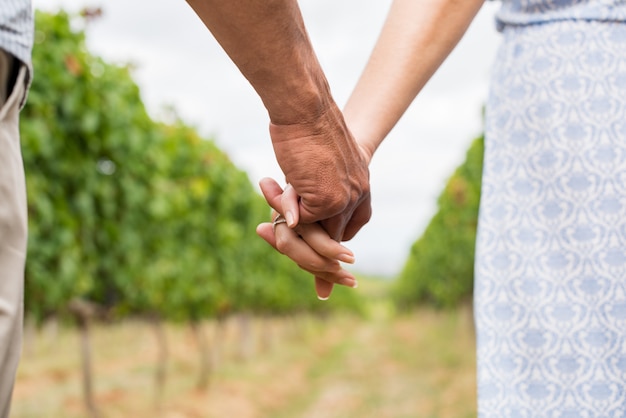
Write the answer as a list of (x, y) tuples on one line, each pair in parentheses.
[(550, 292)]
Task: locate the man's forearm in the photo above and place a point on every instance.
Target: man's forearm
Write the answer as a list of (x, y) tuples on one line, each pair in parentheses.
[(268, 42)]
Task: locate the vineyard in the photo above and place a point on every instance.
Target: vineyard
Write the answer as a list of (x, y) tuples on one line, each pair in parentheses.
[(419, 364), (148, 292)]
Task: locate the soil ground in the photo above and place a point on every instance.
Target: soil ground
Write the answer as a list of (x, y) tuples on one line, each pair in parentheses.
[(413, 365)]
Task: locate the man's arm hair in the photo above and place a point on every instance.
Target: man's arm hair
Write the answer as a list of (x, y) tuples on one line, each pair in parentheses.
[(268, 42)]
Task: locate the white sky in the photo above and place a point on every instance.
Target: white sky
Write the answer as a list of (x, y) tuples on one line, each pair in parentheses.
[(179, 64)]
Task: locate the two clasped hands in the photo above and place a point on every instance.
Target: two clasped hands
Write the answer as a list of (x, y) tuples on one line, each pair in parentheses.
[(326, 199)]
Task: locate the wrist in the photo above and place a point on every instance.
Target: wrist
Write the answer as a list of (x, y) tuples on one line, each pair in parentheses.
[(363, 137), (300, 97), (367, 150)]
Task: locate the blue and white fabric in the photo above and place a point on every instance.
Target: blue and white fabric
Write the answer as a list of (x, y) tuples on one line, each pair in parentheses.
[(550, 290), (525, 12), (17, 28)]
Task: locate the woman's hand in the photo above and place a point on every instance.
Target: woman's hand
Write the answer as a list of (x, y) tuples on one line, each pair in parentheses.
[(309, 245)]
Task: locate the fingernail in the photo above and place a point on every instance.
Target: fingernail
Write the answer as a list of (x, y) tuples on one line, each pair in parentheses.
[(323, 298), (346, 258), (289, 218), (349, 282)]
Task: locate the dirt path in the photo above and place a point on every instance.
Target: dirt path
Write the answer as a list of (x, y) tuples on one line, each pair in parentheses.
[(421, 365), (406, 367)]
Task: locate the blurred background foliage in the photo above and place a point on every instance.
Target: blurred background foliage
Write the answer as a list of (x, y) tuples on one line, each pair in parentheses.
[(440, 268)]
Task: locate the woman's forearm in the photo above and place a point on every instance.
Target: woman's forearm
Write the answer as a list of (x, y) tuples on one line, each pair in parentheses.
[(416, 38)]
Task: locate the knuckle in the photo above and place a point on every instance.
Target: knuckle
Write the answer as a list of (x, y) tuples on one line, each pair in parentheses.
[(318, 265), (330, 203), (331, 277), (283, 245), (308, 270), (363, 217), (327, 266)]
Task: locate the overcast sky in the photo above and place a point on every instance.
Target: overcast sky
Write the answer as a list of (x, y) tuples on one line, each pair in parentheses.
[(179, 64)]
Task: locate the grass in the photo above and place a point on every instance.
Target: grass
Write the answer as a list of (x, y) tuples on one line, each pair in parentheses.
[(420, 364)]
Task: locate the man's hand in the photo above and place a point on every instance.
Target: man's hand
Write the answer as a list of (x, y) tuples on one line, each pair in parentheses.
[(328, 182), (327, 170)]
